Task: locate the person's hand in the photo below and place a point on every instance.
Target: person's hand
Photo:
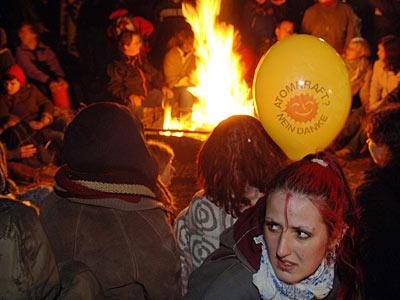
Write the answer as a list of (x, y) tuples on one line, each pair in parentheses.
[(22, 152), (36, 125), (53, 85), (136, 100), (63, 83), (27, 151), (167, 92)]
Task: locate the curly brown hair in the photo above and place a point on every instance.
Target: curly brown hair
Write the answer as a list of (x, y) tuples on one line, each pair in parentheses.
[(238, 152)]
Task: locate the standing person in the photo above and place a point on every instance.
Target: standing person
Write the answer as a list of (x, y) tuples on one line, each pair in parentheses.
[(41, 65), (179, 64), (232, 180), (296, 243), (386, 71), (378, 196), (132, 79), (332, 20), (106, 210)]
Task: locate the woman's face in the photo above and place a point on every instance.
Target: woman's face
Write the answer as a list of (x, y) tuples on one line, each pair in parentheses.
[(381, 52), (134, 47), (296, 236)]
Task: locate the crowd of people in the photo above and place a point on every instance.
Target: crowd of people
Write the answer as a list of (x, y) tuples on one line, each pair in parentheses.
[(75, 94)]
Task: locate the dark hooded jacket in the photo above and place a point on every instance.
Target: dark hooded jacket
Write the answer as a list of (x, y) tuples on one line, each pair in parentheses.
[(107, 220)]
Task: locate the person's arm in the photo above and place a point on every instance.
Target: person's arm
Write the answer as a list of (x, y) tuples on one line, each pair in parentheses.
[(116, 85), (375, 91), (24, 60), (171, 68), (53, 63)]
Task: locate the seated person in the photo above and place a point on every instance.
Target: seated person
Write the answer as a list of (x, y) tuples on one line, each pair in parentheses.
[(25, 113), (106, 210), (133, 80), (40, 64), (179, 63)]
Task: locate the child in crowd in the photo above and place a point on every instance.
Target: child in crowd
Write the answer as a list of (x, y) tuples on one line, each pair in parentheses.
[(25, 117), (133, 80), (41, 65), (164, 155), (378, 196), (233, 163), (179, 63)]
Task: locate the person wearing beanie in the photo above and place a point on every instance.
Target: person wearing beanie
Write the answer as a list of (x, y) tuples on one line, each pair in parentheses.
[(106, 210), (25, 118)]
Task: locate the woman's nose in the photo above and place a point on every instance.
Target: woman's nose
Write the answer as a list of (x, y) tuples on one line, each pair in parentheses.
[(284, 247)]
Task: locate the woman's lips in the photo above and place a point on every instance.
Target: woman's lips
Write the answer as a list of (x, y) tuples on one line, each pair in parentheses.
[(285, 265)]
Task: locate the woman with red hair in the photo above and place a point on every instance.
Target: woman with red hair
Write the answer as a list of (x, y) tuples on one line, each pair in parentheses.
[(296, 243)]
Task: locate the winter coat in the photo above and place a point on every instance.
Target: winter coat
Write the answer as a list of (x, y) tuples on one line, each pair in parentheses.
[(178, 67), (26, 105), (336, 24), (40, 64), (27, 264), (130, 248), (378, 196), (132, 78)]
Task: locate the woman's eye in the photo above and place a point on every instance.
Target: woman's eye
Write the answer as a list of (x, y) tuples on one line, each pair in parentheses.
[(303, 235), (272, 227)]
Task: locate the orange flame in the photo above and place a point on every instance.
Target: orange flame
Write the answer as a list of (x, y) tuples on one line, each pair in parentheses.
[(218, 83)]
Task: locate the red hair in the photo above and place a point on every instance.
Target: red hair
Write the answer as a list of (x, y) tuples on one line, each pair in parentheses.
[(322, 179)]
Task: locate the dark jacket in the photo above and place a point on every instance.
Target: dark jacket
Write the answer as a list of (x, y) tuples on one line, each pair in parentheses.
[(27, 264), (28, 268), (39, 65), (126, 78), (131, 250), (379, 197), (228, 272), (26, 105)]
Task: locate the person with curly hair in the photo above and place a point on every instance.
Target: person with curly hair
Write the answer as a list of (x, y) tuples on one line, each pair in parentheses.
[(233, 164)]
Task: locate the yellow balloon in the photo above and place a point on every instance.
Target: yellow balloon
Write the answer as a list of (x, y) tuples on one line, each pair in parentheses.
[(302, 94)]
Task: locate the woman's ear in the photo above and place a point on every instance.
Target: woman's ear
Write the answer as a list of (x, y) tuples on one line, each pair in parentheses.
[(337, 238)]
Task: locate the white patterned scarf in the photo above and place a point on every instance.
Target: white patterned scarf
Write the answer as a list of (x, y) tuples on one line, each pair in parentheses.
[(318, 285)]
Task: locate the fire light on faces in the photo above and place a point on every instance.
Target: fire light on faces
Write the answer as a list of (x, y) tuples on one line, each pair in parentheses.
[(218, 83)]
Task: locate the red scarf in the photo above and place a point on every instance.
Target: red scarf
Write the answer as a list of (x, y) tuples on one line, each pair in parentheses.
[(121, 185)]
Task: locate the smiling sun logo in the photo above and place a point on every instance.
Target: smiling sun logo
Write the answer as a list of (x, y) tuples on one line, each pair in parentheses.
[(302, 108)]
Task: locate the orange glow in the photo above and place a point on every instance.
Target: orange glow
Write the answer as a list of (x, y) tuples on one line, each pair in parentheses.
[(218, 83)]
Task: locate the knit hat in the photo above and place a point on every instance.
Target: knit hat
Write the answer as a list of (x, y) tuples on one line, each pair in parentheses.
[(105, 139), (15, 72)]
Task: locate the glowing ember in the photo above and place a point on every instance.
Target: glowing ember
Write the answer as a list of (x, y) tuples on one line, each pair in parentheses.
[(219, 87)]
